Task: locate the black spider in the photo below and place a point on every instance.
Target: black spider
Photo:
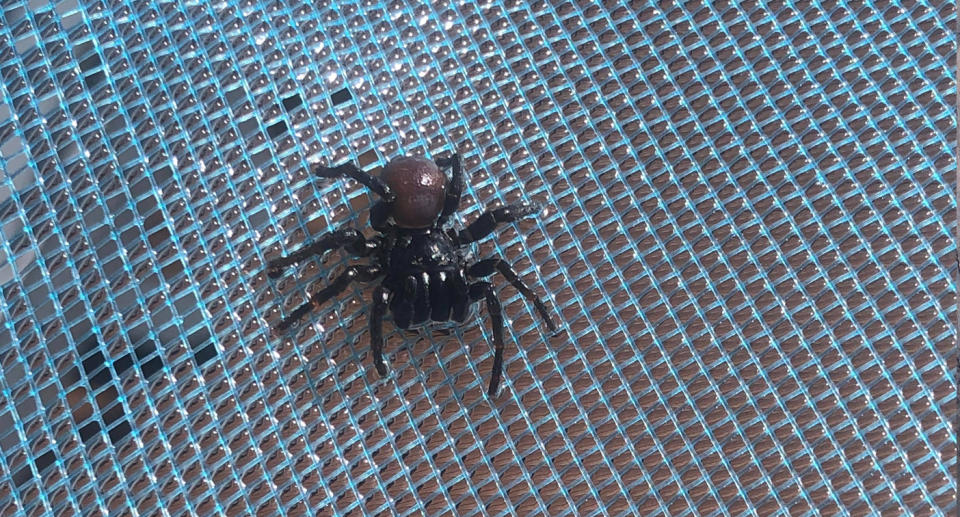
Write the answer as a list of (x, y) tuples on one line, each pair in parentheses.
[(425, 276)]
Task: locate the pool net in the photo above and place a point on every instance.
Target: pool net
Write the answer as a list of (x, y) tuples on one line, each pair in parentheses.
[(748, 241)]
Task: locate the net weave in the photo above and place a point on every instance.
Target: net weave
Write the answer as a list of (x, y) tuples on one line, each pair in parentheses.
[(749, 243)]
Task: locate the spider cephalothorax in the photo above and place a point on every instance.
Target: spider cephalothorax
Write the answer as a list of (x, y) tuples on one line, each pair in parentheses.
[(425, 277)]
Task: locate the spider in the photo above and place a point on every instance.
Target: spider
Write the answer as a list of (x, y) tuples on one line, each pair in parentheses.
[(425, 276)]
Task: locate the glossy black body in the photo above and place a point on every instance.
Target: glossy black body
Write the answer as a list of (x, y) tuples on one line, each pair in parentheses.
[(424, 275), (427, 276)]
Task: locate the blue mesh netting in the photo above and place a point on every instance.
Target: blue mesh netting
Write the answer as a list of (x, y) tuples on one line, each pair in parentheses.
[(749, 242)]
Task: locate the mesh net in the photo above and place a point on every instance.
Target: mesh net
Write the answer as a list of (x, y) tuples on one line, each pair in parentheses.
[(748, 241)]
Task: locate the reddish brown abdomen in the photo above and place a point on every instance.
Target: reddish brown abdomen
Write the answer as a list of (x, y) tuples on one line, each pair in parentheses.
[(419, 186)]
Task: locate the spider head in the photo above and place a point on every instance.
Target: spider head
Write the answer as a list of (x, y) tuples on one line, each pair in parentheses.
[(419, 186)]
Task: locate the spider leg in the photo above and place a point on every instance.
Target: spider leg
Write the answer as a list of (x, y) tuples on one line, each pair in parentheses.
[(488, 221), (483, 290), (380, 298), (352, 171), (379, 213), (350, 239), (455, 187), (361, 273), (486, 267)]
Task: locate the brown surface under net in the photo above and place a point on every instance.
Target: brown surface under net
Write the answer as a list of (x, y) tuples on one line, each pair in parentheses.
[(747, 244)]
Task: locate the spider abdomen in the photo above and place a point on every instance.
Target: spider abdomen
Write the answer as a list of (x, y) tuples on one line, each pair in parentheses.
[(420, 187)]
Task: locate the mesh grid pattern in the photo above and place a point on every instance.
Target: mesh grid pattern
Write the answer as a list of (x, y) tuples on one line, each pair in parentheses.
[(748, 241)]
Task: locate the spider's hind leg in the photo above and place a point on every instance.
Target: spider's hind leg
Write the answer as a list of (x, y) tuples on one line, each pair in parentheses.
[(350, 170), (489, 220), (452, 199)]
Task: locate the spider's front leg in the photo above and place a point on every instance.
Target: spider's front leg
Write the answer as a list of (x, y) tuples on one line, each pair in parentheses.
[(349, 239), (361, 273), (484, 290), (487, 267), (380, 299)]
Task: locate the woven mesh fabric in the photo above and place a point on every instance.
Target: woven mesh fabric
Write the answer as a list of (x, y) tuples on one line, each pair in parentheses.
[(748, 242)]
